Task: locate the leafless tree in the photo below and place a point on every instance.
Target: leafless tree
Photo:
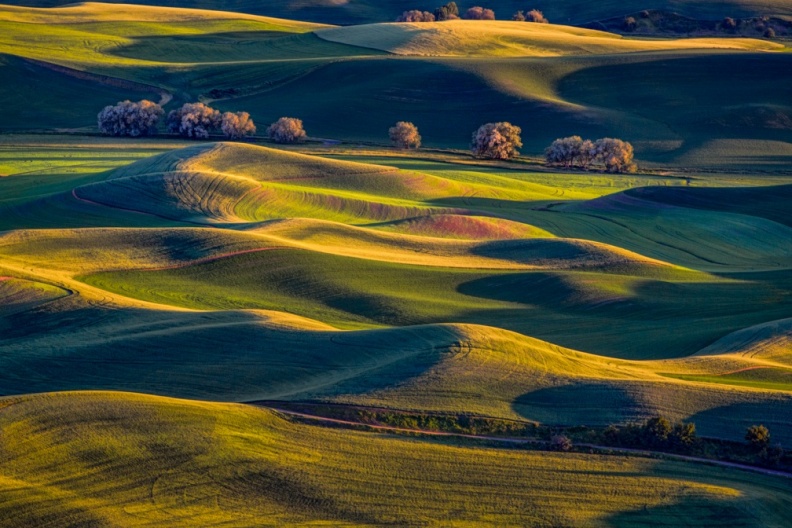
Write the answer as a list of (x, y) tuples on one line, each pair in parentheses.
[(497, 141), (130, 119), (534, 15), (479, 13), (194, 120), (405, 135), (237, 125), (287, 130)]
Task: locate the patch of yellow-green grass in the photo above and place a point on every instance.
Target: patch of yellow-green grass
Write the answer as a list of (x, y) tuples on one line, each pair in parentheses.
[(128, 460), (19, 295), (494, 38)]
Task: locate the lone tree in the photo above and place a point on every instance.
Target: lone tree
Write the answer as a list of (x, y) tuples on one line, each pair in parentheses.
[(287, 130), (534, 15), (497, 141), (415, 15), (130, 119), (615, 154), (194, 120), (560, 443), (758, 436), (405, 135), (450, 11), (237, 125), (479, 13)]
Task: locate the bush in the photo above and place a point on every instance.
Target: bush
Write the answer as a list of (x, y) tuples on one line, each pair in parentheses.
[(130, 119), (194, 120), (629, 24), (479, 13), (416, 16), (287, 130), (497, 141), (519, 16), (560, 443), (405, 135), (758, 436), (656, 431), (450, 11), (683, 434), (238, 125), (534, 15)]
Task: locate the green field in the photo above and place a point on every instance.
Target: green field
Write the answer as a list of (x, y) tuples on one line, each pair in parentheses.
[(158, 294)]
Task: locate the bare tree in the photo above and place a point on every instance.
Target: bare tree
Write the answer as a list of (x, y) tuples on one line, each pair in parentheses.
[(534, 15), (130, 119), (238, 125), (405, 135), (615, 154), (497, 141), (194, 120), (479, 13), (287, 130), (416, 16)]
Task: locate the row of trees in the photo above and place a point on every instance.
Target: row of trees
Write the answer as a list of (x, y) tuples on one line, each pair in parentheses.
[(450, 11), (194, 120), (533, 15), (613, 154)]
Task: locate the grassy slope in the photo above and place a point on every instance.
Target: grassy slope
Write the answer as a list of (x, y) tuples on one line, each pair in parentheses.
[(125, 460), (565, 11)]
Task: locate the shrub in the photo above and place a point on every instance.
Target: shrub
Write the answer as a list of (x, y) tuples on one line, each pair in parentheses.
[(479, 13), (519, 16), (497, 141), (130, 119), (758, 436), (287, 130), (238, 125), (615, 154), (405, 135), (534, 15), (194, 120), (629, 24), (416, 16), (560, 443), (450, 11)]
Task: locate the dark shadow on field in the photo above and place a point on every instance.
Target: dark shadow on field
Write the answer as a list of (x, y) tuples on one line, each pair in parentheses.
[(581, 403), (733, 420), (687, 510)]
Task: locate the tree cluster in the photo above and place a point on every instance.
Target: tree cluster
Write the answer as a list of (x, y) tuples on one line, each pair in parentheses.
[(198, 121), (130, 119), (497, 141), (414, 15), (287, 130), (534, 15), (657, 432), (405, 135), (450, 11), (479, 13), (613, 154)]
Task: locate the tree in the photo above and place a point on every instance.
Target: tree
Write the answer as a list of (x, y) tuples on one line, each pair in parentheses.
[(287, 130), (416, 16), (758, 436), (683, 434), (405, 135), (560, 443), (497, 141), (534, 15), (479, 13), (656, 431), (564, 151), (194, 120), (130, 119), (616, 155), (629, 24), (238, 125), (519, 16), (729, 24), (769, 33), (450, 11)]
